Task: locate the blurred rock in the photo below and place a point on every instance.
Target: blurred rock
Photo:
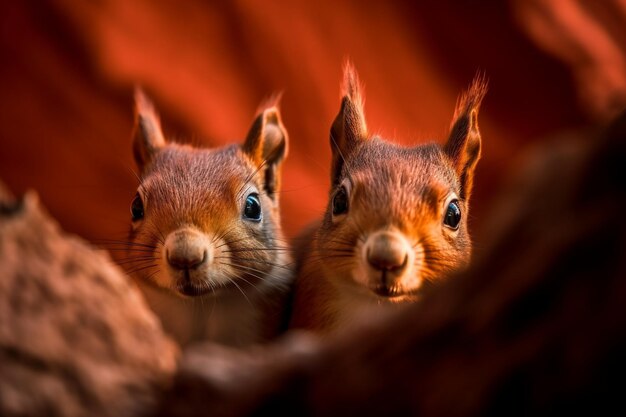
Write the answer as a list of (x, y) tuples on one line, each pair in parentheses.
[(5, 195), (590, 39), (75, 338)]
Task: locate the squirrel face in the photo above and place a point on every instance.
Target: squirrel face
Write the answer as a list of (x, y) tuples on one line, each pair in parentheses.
[(397, 216), (206, 219)]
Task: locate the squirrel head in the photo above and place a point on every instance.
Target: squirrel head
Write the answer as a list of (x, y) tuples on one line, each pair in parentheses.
[(397, 216), (205, 219)]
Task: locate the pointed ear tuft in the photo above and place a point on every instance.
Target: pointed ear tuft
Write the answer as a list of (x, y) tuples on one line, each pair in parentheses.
[(147, 136), (267, 146), (473, 97), (273, 101), (351, 87), (349, 126), (464, 143)]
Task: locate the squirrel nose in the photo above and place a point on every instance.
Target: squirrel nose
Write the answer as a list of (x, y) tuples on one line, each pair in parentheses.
[(185, 260), (387, 251), (185, 249)]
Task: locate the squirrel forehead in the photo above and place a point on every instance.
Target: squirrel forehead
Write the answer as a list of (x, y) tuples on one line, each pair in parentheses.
[(397, 185), (181, 169), (386, 166)]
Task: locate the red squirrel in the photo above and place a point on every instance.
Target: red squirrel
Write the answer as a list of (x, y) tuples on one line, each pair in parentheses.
[(396, 217), (206, 244)]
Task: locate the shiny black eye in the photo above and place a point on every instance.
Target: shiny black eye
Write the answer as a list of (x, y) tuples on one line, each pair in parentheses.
[(252, 209), (453, 215), (136, 208), (340, 201)]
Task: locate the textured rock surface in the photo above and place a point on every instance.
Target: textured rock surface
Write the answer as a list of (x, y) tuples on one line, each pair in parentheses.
[(75, 338)]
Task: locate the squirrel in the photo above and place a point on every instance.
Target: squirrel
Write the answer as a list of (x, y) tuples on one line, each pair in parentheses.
[(205, 245), (396, 216)]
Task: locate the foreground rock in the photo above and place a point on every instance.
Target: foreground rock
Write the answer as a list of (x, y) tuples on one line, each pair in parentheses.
[(75, 338)]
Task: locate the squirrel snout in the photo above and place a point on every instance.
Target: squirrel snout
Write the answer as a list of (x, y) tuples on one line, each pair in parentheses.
[(387, 251), (186, 249), (186, 259)]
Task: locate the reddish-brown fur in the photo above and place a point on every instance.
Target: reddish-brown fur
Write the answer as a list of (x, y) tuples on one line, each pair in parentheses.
[(208, 271), (397, 200)]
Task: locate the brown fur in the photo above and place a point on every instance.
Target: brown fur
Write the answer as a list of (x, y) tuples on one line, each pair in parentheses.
[(396, 192), (194, 198)]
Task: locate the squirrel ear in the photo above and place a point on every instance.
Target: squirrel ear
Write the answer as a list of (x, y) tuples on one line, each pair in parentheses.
[(147, 136), (349, 127), (463, 145), (266, 145)]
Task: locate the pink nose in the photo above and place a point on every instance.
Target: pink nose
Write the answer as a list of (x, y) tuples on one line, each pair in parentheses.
[(387, 251), (186, 249)]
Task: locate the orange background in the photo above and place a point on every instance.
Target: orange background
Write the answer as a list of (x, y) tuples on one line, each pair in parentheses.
[(68, 69)]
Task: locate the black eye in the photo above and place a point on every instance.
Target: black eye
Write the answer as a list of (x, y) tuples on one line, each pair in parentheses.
[(340, 201), (136, 208), (252, 209), (453, 215)]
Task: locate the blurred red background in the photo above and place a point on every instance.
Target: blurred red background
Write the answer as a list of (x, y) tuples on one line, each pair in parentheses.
[(68, 70)]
